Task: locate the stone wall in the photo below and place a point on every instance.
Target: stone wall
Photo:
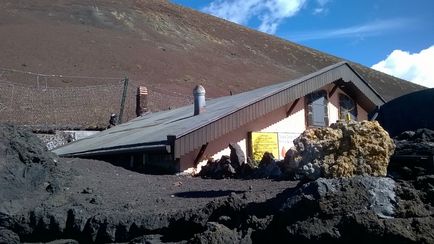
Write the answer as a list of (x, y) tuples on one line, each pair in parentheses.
[(60, 138)]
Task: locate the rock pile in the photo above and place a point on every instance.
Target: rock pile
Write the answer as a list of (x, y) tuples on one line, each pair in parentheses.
[(341, 150), (235, 166)]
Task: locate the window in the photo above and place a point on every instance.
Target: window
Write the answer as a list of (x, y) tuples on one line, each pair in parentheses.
[(347, 108), (316, 109)]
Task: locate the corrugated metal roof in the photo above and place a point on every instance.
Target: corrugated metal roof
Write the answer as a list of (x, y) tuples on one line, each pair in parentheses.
[(222, 115)]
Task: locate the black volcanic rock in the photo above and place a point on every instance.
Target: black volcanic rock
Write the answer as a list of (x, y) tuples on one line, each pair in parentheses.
[(25, 164), (414, 154), (237, 155), (137, 208)]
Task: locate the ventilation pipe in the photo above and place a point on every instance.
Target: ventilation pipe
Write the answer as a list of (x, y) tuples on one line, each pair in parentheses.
[(199, 99), (141, 101)]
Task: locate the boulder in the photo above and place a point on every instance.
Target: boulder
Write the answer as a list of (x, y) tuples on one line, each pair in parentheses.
[(344, 149), (267, 168), (267, 159), (344, 195), (237, 155), (246, 170), (217, 233), (218, 169)]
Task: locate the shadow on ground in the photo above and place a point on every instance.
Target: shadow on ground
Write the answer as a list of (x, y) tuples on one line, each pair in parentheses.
[(206, 194)]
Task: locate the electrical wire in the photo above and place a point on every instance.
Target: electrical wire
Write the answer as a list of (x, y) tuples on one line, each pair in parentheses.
[(59, 76)]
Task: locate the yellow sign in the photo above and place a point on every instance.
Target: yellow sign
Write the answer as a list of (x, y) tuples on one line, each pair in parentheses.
[(264, 142)]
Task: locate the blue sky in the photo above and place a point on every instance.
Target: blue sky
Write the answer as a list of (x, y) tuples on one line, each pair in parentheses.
[(393, 36)]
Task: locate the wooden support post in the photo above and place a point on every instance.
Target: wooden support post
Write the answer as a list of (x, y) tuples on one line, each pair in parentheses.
[(292, 107), (124, 95), (200, 154)]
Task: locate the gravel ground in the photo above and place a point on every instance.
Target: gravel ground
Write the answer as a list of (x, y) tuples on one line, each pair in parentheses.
[(117, 189)]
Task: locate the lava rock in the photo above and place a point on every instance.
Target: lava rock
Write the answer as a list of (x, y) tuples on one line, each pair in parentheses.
[(342, 195), (341, 150), (414, 155), (217, 233), (362, 208), (8, 237), (218, 169), (25, 164), (237, 155), (267, 168)]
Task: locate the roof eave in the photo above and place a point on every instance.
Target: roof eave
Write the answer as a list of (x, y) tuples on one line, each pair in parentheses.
[(163, 147), (366, 83)]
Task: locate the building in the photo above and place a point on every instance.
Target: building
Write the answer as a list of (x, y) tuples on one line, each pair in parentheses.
[(75, 82), (179, 139)]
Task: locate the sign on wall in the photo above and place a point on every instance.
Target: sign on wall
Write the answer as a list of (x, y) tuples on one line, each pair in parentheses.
[(286, 142), (264, 142), (276, 143)]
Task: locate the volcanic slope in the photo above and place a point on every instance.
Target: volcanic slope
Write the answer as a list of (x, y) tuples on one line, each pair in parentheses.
[(166, 47)]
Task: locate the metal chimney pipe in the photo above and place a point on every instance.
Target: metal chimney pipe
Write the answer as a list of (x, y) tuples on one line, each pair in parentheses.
[(199, 99), (141, 101)]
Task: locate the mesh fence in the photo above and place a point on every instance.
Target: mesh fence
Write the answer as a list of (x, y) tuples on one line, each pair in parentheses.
[(50, 102), (48, 107)]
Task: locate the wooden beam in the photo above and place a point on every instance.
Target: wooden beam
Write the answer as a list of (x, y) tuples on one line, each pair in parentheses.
[(200, 154), (292, 107), (333, 90)]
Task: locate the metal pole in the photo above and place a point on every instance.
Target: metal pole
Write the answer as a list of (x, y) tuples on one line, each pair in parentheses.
[(124, 95)]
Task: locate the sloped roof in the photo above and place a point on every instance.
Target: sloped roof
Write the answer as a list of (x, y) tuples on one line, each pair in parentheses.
[(163, 130)]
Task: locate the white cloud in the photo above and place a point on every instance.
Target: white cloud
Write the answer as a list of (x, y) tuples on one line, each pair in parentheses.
[(236, 11), (359, 31), (270, 13), (414, 67), (321, 9)]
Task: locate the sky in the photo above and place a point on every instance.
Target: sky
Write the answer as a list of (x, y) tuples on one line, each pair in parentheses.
[(393, 36)]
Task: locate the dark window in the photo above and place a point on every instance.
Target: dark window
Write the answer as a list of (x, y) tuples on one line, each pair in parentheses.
[(347, 107), (317, 111)]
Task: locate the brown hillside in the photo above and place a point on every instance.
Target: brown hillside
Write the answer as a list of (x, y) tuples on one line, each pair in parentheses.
[(155, 43)]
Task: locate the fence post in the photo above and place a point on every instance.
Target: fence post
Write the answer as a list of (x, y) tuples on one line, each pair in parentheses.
[(124, 95)]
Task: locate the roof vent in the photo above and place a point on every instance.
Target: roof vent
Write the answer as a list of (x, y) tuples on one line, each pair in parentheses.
[(199, 99)]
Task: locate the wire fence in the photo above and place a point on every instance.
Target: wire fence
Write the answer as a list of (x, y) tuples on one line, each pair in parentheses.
[(44, 106), (53, 102)]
